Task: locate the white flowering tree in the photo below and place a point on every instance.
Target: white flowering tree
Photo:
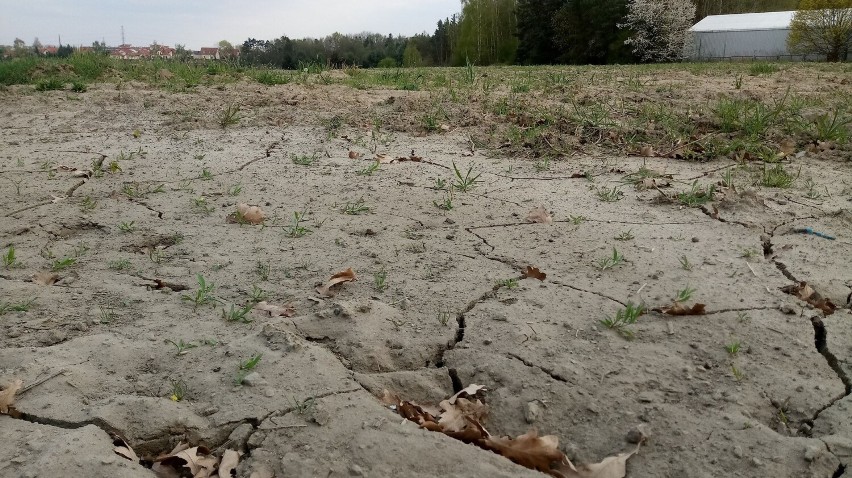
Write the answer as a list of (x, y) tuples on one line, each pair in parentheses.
[(660, 28)]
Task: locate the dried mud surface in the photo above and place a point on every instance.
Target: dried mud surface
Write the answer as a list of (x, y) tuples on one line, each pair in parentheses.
[(99, 334)]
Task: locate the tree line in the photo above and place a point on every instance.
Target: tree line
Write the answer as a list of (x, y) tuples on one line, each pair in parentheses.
[(489, 32)]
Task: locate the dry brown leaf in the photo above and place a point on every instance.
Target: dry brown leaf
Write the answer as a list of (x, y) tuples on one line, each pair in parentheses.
[(533, 273), (529, 450), (459, 416), (383, 159), (540, 215), (246, 214), (276, 310), (45, 278), (805, 292), (610, 467), (343, 276), (7, 396), (197, 459), (228, 465), (354, 155), (652, 183), (471, 391), (679, 309), (123, 449), (647, 151)]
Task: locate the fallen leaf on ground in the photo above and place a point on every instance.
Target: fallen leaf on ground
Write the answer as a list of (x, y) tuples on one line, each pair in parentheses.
[(276, 310), (533, 273), (123, 449), (197, 459), (383, 159), (461, 414), (343, 276), (247, 214), (652, 183), (540, 215), (472, 390), (805, 292), (228, 465), (354, 155), (610, 467), (787, 146), (529, 450), (647, 151), (7, 396), (680, 309), (45, 278)]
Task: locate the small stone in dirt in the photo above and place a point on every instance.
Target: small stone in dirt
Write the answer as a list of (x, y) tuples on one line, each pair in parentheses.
[(646, 397), (638, 434), (812, 452), (253, 380), (533, 412), (788, 309), (54, 337), (449, 221), (451, 236), (269, 393), (738, 451), (356, 470), (695, 239), (486, 342), (239, 437), (756, 461)]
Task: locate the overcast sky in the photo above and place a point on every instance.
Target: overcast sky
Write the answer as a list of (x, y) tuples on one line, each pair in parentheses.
[(197, 23)]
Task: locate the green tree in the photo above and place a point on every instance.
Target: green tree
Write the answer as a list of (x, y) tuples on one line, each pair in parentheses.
[(486, 32), (182, 54), (227, 50), (823, 27), (100, 48), (587, 31), (64, 51), (411, 57), (536, 32)]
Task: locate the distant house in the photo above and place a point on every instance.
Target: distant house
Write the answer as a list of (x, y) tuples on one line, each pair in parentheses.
[(49, 49), (206, 53), (129, 52), (743, 36)]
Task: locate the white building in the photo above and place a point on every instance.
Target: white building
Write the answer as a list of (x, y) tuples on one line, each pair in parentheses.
[(743, 36)]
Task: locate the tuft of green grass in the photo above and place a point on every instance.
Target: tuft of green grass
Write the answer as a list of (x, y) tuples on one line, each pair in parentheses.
[(612, 261), (511, 283), (49, 84), (833, 127), (62, 264), (10, 259), (16, 307), (355, 208), (684, 294), (684, 263), (697, 195), (181, 346), (238, 314), (777, 177), (734, 347), (203, 294), (464, 182), (179, 390), (229, 116), (127, 227), (296, 229), (262, 270), (609, 195), (78, 86), (625, 236), (304, 159), (380, 279), (235, 190), (245, 367), (369, 170), (119, 265), (624, 318)]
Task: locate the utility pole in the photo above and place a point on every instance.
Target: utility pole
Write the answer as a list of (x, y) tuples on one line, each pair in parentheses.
[(122, 35)]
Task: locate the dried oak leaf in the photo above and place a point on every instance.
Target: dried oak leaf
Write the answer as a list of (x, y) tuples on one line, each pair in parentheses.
[(246, 214), (276, 310), (460, 415), (123, 449), (343, 276), (647, 151), (533, 273), (7, 396), (197, 459), (610, 467), (228, 465), (540, 215), (354, 155), (805, 292), (45, 278), (529, 450), (382, 158), (680, 309)]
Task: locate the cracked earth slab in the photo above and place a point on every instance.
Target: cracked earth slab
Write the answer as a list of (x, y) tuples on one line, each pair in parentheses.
[(99, 334)]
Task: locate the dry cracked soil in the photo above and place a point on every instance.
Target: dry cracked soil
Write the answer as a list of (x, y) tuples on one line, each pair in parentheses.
[(757, 386)]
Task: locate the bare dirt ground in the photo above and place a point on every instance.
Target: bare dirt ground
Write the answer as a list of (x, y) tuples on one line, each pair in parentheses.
[(756, 386)]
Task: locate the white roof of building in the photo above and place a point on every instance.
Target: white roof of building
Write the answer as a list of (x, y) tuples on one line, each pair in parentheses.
[(745, 22)]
